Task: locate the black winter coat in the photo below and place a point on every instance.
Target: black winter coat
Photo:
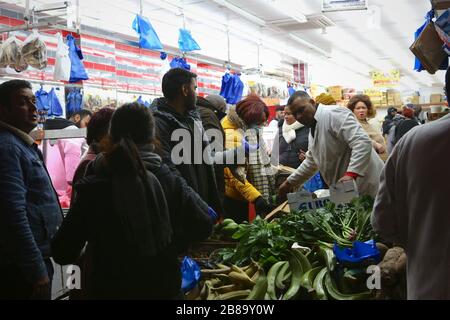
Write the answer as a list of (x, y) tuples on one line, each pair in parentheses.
[(116, 272), (210, 120), (201, 176), (289, 153)]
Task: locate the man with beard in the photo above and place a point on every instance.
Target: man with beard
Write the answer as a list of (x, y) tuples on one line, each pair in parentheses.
[(180, 134)]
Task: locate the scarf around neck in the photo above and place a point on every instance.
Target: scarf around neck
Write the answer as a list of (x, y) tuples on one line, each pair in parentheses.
[(289, 131)]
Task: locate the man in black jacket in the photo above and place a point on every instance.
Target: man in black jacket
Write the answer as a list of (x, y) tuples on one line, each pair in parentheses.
[(177, 119)]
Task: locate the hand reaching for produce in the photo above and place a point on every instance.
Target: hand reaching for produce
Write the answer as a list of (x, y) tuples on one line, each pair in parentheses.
[(284, 189)]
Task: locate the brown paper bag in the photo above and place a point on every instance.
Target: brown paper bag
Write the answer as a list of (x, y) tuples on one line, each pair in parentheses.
[(428, 49)]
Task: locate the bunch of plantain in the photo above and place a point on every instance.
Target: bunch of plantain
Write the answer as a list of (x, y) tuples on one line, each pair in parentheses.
[(227, 228), (232, 283)]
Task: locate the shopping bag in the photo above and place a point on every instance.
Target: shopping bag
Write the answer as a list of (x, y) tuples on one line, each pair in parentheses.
[(362, 252), (178, 62), (74, 101), (191, 273), (185, 41), (428, 48), (42, 100), (148, 39), (34, 51), (77, 70), (54, 105), (62, 63)]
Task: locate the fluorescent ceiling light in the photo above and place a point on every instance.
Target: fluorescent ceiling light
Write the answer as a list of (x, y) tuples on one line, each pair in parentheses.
[(288, 8), (241, 12), (309, 45)]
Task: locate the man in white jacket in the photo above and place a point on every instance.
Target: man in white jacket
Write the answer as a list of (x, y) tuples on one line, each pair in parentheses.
[(412, 207), (338, 147)]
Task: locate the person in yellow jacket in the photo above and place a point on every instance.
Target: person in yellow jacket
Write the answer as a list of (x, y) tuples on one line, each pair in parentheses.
[(258, 184)]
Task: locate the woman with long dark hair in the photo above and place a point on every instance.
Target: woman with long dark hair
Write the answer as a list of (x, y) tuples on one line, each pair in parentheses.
[(135, 215)]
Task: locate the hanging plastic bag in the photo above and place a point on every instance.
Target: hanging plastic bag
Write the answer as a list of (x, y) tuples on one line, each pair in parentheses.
[(42, 100), (12, 54), (77, 70), (178, 62), (185, 41), (148, 39), (34, 51), (74, 101), (190, 272), (55, 108), (62, 63)]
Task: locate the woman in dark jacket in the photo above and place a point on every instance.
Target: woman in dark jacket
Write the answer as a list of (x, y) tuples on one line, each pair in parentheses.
[(135, 215), (291, 141)]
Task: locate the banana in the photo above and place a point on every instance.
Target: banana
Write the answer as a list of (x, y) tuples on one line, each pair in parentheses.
[(223, 278), (307, 279), (235, 295), (297, 273), (210, 294), (260, 288), (336, 295), (271, 277), (318, 285), (281, 276), (241, 278), (212, 272), (252, 268), (227, 288)]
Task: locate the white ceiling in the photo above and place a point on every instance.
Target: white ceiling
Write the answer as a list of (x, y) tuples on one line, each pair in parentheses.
[(344, 53)]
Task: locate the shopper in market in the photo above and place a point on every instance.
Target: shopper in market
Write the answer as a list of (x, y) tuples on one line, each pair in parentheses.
[(404, 126), (412, 206), (388, 120), (97, 138), (135, 214), (338, 147), (291, 141), (63, 157), (177, 112), (29, 208), (363, 109), (279, 116), (244, 122)]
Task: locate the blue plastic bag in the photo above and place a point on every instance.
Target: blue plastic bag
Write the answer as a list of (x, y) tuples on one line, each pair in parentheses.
[(178, 62), (41, 99), (77, 70), (314, 184), (232, 88), (74, 101), (55, 108), (185, 41), (361, 251), (148, 39), (190, 273)]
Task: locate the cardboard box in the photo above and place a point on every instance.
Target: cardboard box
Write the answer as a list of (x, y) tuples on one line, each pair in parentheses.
[(335, 92), (436, 98)]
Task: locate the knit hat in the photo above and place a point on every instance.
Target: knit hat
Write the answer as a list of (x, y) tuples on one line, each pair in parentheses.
[(217, 101), (325, 99)]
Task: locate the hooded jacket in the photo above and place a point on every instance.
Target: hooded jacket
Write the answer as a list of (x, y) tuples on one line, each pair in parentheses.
[(139, 271), (199, 175)]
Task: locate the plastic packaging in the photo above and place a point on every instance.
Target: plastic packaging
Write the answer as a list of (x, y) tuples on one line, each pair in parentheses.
[(62, 63), (34, 51), (12, 54)]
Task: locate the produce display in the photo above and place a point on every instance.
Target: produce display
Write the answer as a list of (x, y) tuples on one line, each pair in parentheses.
[(291, 257)]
